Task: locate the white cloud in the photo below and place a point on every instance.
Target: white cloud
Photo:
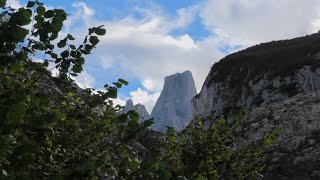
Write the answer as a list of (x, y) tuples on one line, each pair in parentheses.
[(85, 9), (106, 62), (151, 84), (14, 4), (119, 101), (84, 80), (148, 99), (143, 48), (249, 22), (145, 98)]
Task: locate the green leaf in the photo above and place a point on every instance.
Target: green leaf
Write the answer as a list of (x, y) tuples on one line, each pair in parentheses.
[(87, 49), (117, 84), (19, 34), (39, 18), (41, 10), (165, 175), (37, 25), (80, 60), (39, 3), (94, 40), (62, 43), (77, 69), (30, 4), (53, 55), (2, 3), (222, 121), (53, 36), (123, 81), (152, 166), (100, 31), (22, 17), (73, 47), (49, 14), (134, 164), (91, 163), (46, 63), (70, 37), (64, 54), (19, 108)]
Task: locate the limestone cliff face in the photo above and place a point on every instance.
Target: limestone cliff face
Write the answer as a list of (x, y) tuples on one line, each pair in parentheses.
[(280, 84), (139, 108), (174, 108)]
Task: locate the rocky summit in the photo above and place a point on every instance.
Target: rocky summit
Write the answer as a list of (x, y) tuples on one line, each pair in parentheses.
[(139, 108), (173, 108), (279, 82)]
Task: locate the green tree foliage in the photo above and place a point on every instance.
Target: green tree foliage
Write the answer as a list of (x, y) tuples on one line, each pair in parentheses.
[(202, 152), (51, 128), (44, 132)]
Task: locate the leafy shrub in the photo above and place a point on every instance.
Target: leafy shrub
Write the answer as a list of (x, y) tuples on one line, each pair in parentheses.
[(202, 152)]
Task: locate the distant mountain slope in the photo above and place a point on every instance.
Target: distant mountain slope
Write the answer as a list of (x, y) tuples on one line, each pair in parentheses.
[(280, 84)]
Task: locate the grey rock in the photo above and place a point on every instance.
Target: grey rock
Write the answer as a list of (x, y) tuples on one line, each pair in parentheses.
[(173, 108), (139, 108), (290, 101)]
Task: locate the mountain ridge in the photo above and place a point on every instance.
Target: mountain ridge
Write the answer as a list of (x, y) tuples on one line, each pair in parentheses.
[(279, 82)]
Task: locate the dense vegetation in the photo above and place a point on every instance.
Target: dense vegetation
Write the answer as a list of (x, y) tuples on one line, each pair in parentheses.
[(51, 128), (272, 58)]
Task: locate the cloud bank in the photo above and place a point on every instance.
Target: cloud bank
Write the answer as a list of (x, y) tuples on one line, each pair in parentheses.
[(143, 47)]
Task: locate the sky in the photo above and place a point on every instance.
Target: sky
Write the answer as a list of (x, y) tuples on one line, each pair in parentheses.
[(147, 40)]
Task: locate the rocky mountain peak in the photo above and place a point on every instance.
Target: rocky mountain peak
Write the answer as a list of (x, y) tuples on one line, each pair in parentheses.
[(139, 108), (173, 108)]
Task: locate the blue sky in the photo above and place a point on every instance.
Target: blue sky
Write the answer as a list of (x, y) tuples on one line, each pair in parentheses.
[(147, 40)]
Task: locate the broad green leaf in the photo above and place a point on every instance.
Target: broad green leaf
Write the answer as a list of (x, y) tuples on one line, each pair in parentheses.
[(134, 164), (41, 10), (94, 40), (152, 166), (73, 47), (39, 19), (64, 54), (30, 4), (70, 37), (112, 93), (77, 69), (62, 43), (22, 17), (53, 36), (123, 81), (100, 31), (49, 14), (53, 55), (37, 25)]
